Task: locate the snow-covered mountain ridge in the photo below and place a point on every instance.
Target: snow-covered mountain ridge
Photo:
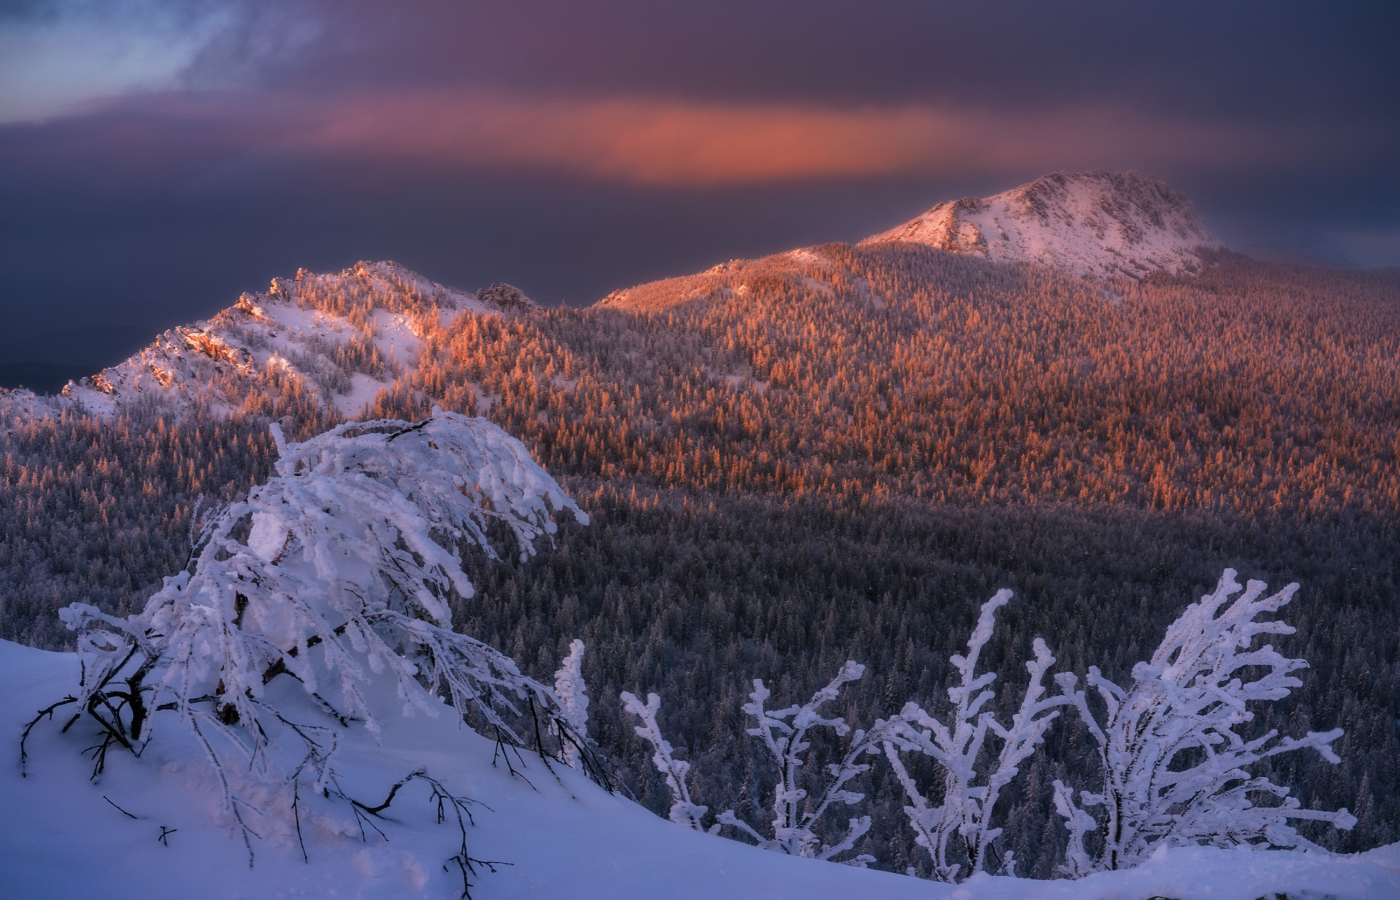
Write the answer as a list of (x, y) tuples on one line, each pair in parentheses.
[(343, 336), (346, 336), (1091, 223)]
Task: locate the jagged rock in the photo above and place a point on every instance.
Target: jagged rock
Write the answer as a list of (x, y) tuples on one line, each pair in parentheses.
[(505, 297)]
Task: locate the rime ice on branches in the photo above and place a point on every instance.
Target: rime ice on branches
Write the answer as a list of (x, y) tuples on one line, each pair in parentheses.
[(1175, 769), (336, 574), (796, 815), (960, 748)]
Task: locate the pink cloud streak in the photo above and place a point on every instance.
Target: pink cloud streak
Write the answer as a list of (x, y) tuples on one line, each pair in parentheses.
[(661, 143)]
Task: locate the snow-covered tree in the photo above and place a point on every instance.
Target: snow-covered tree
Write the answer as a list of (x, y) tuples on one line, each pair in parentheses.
[(796, 814), (969, 798), (336, 575), (1175, 769)]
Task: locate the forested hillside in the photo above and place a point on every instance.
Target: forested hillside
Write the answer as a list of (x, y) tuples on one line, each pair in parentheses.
[(840, 454)]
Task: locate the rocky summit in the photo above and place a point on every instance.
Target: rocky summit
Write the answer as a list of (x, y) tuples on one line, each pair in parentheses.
[(1093, 223)]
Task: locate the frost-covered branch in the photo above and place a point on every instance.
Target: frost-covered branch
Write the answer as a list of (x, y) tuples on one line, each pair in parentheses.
[(784, 733), (967, 810), (572, 692), (1175, 770), (337, 574), (684, 811)]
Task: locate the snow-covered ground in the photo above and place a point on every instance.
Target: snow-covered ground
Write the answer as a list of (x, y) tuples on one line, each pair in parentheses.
[(63, 836), (1095, 223)]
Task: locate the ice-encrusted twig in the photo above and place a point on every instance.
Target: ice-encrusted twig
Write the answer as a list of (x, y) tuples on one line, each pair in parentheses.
[(684, 811), (968, 807)]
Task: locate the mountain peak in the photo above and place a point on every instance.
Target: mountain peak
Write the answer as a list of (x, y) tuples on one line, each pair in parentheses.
[(1090, 223)]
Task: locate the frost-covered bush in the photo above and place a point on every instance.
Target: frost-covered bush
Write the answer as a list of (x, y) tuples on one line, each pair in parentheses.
[(684, 810), (572, 693), (973, 775), (784, 734), (336, 575), (1175, 769)]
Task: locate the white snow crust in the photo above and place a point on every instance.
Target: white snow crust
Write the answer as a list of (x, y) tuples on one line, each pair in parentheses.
[(60, 837), (1092, 223)]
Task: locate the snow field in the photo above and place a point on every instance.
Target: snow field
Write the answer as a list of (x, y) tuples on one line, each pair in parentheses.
[(564, 837)]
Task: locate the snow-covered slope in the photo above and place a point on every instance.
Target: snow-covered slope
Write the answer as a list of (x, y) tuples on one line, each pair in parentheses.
[(1094, 223), (348, 335), (345, 335), (559, 835), (1091, 224)]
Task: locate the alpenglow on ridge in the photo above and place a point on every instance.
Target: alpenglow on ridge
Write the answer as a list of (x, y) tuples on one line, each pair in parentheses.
[(1092, 223)]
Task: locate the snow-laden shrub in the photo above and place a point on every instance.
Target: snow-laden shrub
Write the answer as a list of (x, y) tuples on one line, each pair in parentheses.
[(973, 775), (336, 574), (796, 815), (1175, 769), (784, 734)]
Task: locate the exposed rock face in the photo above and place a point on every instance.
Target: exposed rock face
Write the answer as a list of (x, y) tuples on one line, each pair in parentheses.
[(1094, 223), (505, 296)]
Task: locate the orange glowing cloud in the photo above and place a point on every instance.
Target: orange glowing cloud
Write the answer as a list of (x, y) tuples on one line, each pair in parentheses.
[(661, 143)]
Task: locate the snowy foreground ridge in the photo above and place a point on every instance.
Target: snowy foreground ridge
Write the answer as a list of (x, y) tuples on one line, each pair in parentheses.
[(62, 835)]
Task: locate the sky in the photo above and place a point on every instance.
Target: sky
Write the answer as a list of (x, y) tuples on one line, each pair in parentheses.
[(157, 157)]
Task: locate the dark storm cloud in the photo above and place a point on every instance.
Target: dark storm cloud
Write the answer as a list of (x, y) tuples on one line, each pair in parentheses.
[(1263, 59), (1259, 60), (162, 156), (1266, 58)]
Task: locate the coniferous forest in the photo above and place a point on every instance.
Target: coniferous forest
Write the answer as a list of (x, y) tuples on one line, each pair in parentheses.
[(841, 454)]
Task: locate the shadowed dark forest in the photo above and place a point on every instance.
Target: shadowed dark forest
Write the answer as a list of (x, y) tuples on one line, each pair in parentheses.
[(840, 454)]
